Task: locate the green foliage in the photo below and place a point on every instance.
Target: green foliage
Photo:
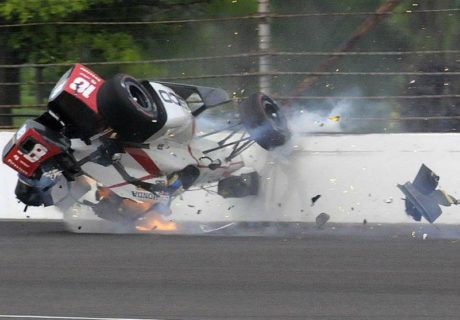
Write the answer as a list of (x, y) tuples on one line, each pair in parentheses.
[(401, 31), (45, 10), (48, 43), (232, 7)]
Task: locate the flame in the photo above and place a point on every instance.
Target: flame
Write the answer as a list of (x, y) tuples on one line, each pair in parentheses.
[(153, 221)]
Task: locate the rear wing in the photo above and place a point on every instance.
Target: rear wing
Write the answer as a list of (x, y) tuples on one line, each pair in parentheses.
[(200, 98)]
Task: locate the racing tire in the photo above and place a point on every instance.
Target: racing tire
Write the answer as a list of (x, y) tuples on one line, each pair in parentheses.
[(264, 121), (129, 108)]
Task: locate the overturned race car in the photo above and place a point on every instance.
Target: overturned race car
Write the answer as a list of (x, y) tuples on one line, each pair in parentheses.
[(126, 148)]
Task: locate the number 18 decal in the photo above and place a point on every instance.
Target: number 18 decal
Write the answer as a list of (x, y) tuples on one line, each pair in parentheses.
[(36, 153)]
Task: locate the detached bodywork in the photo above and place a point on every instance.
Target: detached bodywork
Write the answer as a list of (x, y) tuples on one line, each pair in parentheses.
[(422, 197)]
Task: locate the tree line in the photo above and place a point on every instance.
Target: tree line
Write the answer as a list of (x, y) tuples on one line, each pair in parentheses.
[(25, 41)]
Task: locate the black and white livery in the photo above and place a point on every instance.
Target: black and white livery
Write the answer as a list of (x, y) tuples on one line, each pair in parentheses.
[(126, 147)]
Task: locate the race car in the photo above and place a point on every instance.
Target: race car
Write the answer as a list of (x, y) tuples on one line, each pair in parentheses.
[(127, 148)]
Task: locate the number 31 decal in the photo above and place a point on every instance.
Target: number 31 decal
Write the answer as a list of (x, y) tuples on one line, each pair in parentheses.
[(82, 86)]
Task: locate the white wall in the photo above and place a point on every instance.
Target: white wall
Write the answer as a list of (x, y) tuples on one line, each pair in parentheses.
[(356, 176)]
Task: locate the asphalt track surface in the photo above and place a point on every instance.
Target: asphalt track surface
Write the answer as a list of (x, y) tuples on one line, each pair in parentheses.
[(47, 272)]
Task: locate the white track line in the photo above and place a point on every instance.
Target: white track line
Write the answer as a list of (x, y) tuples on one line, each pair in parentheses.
[(11, 316)]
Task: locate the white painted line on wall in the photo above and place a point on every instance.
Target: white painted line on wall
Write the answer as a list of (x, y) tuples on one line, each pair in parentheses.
[(11, 316)]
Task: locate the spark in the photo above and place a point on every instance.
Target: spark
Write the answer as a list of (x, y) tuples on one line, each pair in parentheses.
[(153, 221)]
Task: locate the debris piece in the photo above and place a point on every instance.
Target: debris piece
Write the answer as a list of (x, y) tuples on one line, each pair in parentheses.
[(321, 220), (231, 207), (422, 197), (207, 229), (79, 227), (443, 198), (199, 211), (352, 209), (334, 118), (302, 210), (389, 200), (190, 206), (424, 236), (279, 204), (364, 221), (314, 199)]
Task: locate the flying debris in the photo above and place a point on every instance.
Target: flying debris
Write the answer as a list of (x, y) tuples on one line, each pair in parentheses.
[(422, 198), (208, 229), (389, 200), (321, 124), (314, 199), (321, 220), (334, 118)]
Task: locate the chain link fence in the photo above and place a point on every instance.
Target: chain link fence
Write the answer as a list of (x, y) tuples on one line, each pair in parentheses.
[(382, 85)]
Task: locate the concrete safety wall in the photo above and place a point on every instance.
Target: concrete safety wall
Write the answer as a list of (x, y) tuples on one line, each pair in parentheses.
[(356, 177)]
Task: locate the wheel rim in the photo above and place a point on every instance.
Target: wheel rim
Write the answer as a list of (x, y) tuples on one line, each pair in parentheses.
[(272, 112), (138, 96)]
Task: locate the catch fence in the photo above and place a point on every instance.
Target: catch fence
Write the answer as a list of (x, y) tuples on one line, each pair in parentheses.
[(401, 90)]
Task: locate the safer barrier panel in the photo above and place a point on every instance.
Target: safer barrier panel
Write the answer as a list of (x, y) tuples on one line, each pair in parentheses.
[(352, 178)]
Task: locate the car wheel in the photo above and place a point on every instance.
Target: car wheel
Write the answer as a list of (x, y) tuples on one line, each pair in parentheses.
[(264, 121), (128, 108)]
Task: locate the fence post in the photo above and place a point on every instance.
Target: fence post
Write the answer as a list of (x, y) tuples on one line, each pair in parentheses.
[(38, 86), (264, 46)]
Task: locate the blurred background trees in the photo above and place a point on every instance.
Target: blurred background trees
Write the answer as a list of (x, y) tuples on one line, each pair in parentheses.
[(42, 38)]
